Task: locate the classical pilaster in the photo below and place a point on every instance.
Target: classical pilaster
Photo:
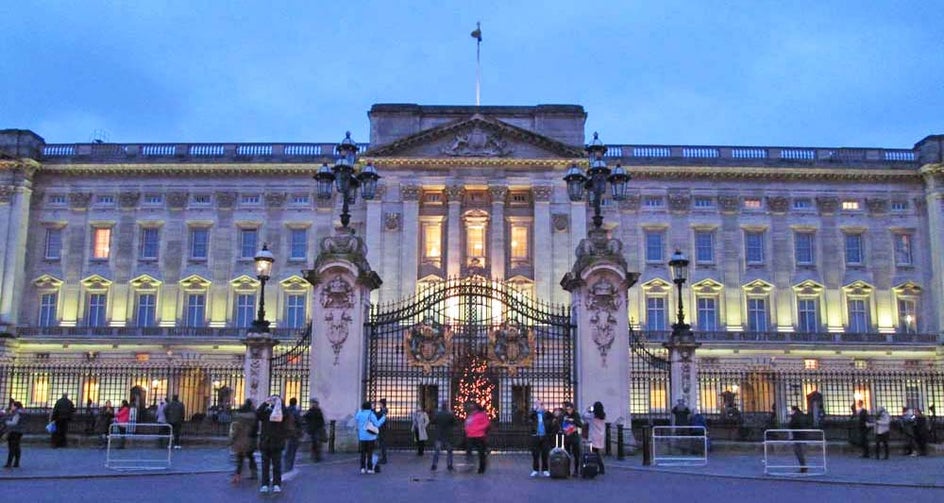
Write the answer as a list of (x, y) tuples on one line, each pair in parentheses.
[(15, 193), (833, 267), (934, 199), (409, 242), (543, 281), (454, 231), (497, 251), (374, 231), (782, 262), (732, 257)]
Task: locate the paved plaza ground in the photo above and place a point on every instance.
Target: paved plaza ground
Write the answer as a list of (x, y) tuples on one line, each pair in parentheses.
[(200, 474)]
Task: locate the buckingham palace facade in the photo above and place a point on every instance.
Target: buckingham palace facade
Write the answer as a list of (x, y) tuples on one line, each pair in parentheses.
[(136, 259)]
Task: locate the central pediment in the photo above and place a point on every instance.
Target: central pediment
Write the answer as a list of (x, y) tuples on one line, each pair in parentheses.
[(478, 137)]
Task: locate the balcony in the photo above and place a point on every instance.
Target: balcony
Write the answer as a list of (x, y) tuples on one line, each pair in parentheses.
[(138, 334)]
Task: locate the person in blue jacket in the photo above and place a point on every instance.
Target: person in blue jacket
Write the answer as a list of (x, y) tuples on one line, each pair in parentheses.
[(365, 420)]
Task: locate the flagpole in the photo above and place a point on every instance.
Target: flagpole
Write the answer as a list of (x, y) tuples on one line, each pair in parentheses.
[(477, 35)]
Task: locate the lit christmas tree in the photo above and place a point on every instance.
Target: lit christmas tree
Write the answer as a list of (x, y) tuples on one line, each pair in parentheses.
[(474, 386)]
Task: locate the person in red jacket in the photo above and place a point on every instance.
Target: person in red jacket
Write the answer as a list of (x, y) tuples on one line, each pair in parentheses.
[(476, 433)]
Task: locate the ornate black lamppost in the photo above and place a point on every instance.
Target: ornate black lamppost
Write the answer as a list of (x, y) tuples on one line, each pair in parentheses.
[(263, 261), (683, 370), (346, 179), (594, 181), (678, 264)]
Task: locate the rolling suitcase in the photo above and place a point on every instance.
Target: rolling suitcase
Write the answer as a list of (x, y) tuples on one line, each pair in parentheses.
[(559, 460), (590, 462)]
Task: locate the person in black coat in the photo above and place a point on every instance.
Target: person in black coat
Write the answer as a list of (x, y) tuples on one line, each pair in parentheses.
[(862, 427), (315, 424), (62, 414), (274, 422), (543, 428)]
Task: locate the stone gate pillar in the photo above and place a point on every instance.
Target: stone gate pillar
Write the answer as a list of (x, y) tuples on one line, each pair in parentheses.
[(342, 281), (598, 284), (683, 369), (258, 365)]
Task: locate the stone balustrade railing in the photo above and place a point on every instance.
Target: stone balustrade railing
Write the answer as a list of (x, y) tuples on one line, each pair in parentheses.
[(922, 339), (65, 333)]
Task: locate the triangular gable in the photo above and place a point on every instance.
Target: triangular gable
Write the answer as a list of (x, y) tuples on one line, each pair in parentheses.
[(656, 286), (47, 282), (809, 288), (758, 287), (96, 282), (908, 289), (194, 283), (295, 284), (707, 287), (477, 137), (145, 282), (245, 283)]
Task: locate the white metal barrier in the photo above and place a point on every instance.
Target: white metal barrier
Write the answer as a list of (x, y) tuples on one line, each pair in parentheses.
[(794, 452), (139, 446), (679, 445)]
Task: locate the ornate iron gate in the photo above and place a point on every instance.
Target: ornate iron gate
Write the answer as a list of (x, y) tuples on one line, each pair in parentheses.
[(649, 385), (420, 348), (290, 369)]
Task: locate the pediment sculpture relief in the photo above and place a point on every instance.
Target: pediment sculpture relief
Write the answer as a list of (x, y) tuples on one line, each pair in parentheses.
[(477, 143)]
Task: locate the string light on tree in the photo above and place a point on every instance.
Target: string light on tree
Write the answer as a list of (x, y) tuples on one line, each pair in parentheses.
[(475, 386)]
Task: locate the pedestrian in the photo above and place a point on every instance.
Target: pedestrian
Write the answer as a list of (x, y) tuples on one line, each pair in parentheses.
[(906, 423), (596, 423), (122, 418), (571, 426), (444, 424), (14, 431), (315, 424), (798, 421), (420, 435), (243, 434), (477, 425), (62, 413), (862, 427), (882, 426), (294, 434), (103, 420), (175, 412), (921, 432), (160, 415), (368, 425), (543, 430), (681, 414), (381, 413), (272, 435)]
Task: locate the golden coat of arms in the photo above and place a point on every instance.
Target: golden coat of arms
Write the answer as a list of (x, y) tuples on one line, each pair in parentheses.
[(511, 346), (427, 344)]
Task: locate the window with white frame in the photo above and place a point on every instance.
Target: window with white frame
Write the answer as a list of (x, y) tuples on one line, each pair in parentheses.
[(105, 200), (757, 314), (807, 315), (803, 247), (57, 200), (802, 203), (655, 313), (250, 199), (150, 243), (101, 243), (704, 247), (907, 316), (854, 254), (903, 246), (858, 315), (520, 251), (707, 313), (298, 244), (48, 304), (899, 205), (754, 247), (199, 243), (301, 199), (295, 310), (52, 246), (195, 309), (248, 243), (704, 202), (203, 199), (654, 245), (245, 309), (145, 313), (95, 313), (475, 242), (432, 242), (153, 199), (653, 202)]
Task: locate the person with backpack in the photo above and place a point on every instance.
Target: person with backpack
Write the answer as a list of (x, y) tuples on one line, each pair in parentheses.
[(243, 434)]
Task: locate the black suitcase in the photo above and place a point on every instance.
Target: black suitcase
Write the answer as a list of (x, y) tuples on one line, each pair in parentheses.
[(559, 460), (590, 463)]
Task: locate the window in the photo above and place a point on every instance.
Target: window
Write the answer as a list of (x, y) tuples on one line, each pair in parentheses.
[(704, 247), (298, 244), (250, 199), (704, 202), (245, 307), (199, 243), (810, 364), (655, 313), (802, 203), (707, 308), (146, 311), (807, 316), (150, 243), (903, 242), (475, 242), (295, 310), (153, 199), (853, 249), (519, 242), (195, 310), (803, 246), (47, 309), (858, 316), (850, 204), (95, 310), (52, 248), (57, 200), (653, 202), (105, 200), (907, 321), (101, 243), (752, 203), (432, 241), (248, 243), (899, 205), (654, 246), (757, 314), (300, 199), (754, 247), (201, 200)]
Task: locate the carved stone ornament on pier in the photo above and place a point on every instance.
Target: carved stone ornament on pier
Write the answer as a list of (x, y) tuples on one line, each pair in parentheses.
[(477, 143), (603, 301), (275, 199), (337, 298), (345, 246), (596, 247), (392, 221)]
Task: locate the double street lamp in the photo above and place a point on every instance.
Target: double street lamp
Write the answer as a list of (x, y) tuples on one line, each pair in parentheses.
[(264, 260), (345, 177), (592, 183)]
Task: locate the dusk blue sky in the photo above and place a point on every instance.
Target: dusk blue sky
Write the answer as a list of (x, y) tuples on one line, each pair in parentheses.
[(789, 73)]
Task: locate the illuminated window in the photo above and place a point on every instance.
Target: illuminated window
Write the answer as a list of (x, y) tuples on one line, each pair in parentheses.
[(245, 309), (752, 203), (150, 243), (146, 310), (655, 313), (95, 309), (195, 310), (854, 249), (295, 310), (48, 303), (432, 240), (101, 243), (860, 365), (903, 244), (850, 204), (807, 315), (754, 247), (803, 247), (811, 364), (475, 241), (519, 242), (248, 239), (907, 318), (757, 315), (858, 315), (52, 247)]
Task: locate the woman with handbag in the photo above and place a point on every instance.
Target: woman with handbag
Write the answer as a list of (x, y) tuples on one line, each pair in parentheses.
[(368, 426)]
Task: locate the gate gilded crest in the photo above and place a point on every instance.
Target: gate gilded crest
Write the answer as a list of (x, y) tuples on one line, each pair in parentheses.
[(427, 344), (511, 346)]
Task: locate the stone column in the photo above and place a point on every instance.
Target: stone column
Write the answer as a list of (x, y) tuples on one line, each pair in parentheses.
[(342, 280), (409, 242), (497, 255), (542, 251), (15, 196), (454, 232), (934, 205), (257, 366), (598, 284)]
